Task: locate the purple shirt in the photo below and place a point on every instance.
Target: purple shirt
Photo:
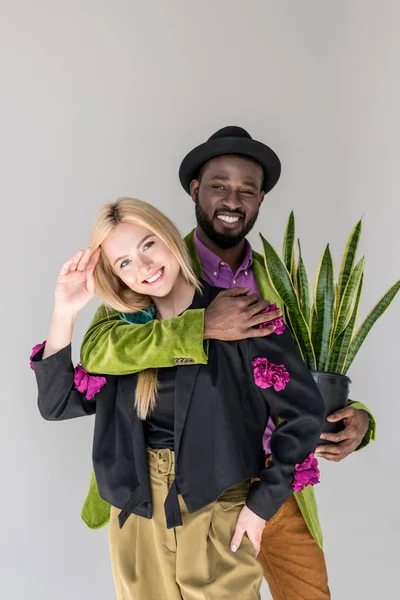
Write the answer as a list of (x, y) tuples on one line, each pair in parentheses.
[(219, 274)]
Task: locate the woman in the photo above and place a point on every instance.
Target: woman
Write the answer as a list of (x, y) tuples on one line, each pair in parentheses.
[(174, 452)]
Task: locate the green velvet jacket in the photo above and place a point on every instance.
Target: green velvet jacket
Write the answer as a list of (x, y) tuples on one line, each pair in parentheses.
[(112, 346)]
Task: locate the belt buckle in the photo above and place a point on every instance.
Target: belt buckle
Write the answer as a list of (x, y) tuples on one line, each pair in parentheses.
[(166, 457)]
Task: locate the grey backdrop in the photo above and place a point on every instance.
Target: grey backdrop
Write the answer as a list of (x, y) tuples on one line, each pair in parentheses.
[(102, 99)]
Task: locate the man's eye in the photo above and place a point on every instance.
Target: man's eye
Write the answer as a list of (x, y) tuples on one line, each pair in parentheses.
[(218, 187), (148, 245), (248, 192), (125, 262)]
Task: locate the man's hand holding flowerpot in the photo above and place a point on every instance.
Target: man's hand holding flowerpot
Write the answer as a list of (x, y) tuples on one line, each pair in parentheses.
[(356, 424)]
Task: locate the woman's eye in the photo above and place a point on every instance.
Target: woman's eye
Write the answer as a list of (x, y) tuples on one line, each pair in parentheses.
[(125, 262), (148, 245)]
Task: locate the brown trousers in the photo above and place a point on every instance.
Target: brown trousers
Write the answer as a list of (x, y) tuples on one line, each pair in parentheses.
[(192, 562), (293, 564)]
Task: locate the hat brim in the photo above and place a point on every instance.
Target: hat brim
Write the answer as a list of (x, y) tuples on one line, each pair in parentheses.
[(249, 148)]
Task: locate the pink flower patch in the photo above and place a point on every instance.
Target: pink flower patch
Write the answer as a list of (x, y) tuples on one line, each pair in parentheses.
[(306, 473), (267, 375), (279, 324), (91, 384), (35, 350)]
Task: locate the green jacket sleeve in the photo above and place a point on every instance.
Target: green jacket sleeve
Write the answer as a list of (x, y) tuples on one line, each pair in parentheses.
[(113, 347), (370, 435)]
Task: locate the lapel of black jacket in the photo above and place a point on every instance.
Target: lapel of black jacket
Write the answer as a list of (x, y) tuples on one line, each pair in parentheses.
[(142, 492), (186, 377)]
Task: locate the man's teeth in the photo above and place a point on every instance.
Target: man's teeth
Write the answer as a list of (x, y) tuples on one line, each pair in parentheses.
[(155, 277), (227, 219)]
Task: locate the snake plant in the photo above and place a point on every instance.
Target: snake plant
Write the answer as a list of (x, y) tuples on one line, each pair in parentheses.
[(323, 325)]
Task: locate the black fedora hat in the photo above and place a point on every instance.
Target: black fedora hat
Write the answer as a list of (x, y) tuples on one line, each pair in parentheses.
[(231, 140)]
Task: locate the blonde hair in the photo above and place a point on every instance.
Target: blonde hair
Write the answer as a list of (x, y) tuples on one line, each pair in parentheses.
[(116, 294)]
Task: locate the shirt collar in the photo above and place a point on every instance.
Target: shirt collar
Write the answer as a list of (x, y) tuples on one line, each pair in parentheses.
[(210, 262)]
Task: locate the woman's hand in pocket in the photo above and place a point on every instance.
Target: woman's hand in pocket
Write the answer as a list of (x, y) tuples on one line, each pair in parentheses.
[(251, 524)]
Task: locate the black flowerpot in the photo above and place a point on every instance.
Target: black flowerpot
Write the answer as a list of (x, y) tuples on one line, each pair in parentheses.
[(334, 389)]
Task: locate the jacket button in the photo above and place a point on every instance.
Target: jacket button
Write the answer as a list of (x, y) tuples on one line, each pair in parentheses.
[(183, 361)]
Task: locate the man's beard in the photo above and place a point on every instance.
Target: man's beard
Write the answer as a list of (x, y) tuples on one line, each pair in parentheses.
[(223, 240)]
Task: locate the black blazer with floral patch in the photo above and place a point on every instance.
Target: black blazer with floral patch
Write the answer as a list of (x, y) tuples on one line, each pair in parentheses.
[(220, 418)]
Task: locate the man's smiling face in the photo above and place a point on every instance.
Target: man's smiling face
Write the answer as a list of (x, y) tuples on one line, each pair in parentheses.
[(228, 196)]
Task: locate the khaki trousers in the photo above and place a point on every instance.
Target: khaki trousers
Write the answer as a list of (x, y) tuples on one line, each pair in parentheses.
[(293, 564), (191, 562)]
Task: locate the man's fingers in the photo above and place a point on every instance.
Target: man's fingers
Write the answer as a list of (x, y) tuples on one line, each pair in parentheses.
[(256, 304), (332, 457), (258, 333), (249, 300), (258, 319), (335, 437), (237, 538), (335, 452), (336, 457), (261, 305), (233, 292), (343, 413), (327, 449)]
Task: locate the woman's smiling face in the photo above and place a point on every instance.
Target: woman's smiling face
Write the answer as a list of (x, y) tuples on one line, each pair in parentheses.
[(141, 260)]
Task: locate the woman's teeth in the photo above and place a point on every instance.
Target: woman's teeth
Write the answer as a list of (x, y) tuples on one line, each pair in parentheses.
[(227, 219), (155, 277)]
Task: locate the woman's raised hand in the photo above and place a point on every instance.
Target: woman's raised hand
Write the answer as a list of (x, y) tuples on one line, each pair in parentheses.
[(75, 282)]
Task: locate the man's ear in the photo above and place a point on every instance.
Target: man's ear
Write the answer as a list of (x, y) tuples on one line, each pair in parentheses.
[(194, 189), (262, 196)]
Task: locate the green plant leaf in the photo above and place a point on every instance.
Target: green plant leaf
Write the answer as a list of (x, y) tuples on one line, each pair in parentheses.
[(294, 335), (348, 260), (285, 313), (286, 318), (348, 301), (288, 246), (377, 311), (303, 288), (324, 302), (340, 348), (313, 325), (283, 285)]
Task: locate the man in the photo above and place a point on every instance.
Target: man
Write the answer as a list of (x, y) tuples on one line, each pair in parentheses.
[(227, 178)]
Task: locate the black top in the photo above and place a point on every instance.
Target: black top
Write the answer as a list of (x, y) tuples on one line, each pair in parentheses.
[(219, 423), (159, 426)]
